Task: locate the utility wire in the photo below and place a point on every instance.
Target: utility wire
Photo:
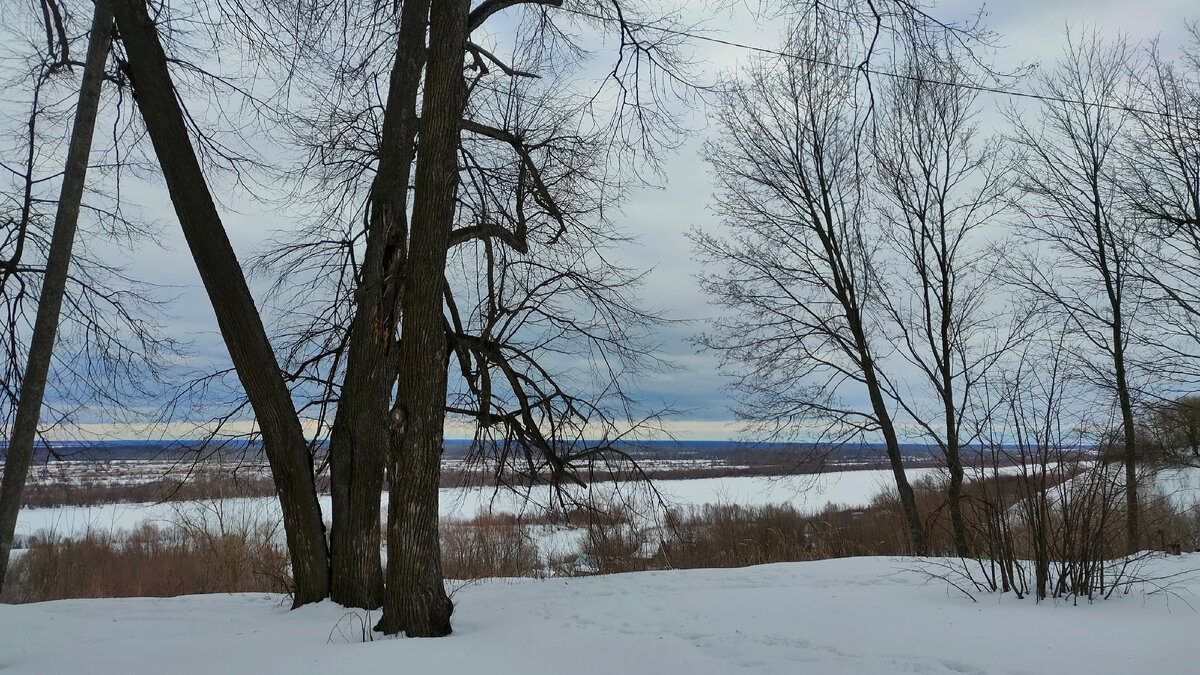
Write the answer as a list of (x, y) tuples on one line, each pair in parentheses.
[(864, 68)]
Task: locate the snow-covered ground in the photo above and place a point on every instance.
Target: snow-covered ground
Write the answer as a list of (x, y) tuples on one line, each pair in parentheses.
[(859, 615), (807, 493), (1180, 486), (865, 615)]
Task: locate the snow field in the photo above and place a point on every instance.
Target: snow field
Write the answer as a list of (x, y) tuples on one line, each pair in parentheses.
[(859, 615), (807, 493)]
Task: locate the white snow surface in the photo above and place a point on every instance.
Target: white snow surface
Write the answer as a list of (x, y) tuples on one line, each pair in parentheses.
[(857, 615), (807, 493), (1181, 486)]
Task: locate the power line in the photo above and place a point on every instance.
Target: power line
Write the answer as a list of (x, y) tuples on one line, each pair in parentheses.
[(1012, 93)]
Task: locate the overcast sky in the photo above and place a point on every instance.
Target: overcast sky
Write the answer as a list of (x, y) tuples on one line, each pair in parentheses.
[(1032, 31)]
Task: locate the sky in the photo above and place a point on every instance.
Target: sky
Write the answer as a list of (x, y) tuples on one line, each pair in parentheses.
[(661, 216), (1031, 33)]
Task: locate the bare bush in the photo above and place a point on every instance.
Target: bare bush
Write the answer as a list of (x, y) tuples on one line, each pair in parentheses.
[(616, 542), (488, 546), (1055, 530), (147, 561), (729, 535)]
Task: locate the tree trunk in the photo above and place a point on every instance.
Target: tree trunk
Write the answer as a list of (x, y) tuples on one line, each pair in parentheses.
[(962, 546), (1042, 530), (1112, 286), (357, 450), (415, 601), (239, 321), (1132, 507), (953, 451), (954, 465), (54, 282), (916, 531), (360, 440)]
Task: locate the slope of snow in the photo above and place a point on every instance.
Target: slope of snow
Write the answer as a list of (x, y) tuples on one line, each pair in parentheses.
[(864, 615), (1181, 486)]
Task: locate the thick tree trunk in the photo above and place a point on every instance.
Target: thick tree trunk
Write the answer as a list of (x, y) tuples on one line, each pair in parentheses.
[(357, 451), (54, 282), (360, 440), (415, 601), (238, 318)]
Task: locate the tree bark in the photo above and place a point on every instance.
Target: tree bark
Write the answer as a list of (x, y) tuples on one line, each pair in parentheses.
[(54, 282), (415, 601), (360, 440), (238, 318)]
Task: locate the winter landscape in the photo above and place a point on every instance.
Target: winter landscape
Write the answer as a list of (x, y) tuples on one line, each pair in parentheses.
[(848, 615), (559, 336), (855, 615)]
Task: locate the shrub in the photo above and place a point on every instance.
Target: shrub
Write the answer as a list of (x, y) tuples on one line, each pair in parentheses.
[(729, 535), (488, 546), (147, 561), (616, 544)]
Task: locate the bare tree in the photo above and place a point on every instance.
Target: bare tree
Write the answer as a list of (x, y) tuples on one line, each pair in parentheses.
[(54, 283), (360, 437), (798, 273), (241, 326), (1160, 181), (941, 187), (554, 202), (1069, 172), (802, 272), (527, 289), (416, 601)]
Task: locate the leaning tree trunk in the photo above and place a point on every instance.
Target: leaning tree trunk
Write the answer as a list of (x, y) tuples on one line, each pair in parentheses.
[(912, 516), (360, 441), (916, 531), (415, 601), (238, 318), (54, 282)]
